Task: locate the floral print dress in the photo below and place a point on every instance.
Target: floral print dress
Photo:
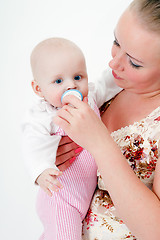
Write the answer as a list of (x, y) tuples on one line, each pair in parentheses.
[(140, 144)]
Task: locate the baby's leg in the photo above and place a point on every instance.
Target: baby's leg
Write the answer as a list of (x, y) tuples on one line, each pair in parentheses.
[(61, 221), (46, 209), (69, 223)]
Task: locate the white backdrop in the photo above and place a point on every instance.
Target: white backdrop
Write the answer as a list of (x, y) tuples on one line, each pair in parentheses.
[(23, 23)]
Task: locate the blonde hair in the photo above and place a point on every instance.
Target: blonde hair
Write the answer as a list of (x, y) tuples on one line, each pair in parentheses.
[(148, 12)]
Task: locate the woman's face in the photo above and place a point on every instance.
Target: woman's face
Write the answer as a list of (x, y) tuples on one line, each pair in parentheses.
[(136, 56)]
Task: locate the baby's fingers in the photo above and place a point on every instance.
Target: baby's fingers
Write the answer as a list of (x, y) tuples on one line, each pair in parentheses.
[(54, 184), (53, 172), (47, 190), (50, 187), (55, 187)]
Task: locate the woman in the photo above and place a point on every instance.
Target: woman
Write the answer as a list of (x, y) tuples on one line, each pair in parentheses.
[(129, 208)]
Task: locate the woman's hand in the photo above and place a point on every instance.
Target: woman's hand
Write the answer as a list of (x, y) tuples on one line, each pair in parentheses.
[(66, 153), (80, 122)]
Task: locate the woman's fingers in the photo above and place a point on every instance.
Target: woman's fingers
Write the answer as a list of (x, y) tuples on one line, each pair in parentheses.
[(65, 165), (65, 140), (68, 115), (65, 116), (65, 146), (69, 162), (72, 101), (81, 122), (66, 153), (63, 158)]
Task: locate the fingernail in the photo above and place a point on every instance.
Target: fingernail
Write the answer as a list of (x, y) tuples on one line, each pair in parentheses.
[(78, 150), (72, 160)]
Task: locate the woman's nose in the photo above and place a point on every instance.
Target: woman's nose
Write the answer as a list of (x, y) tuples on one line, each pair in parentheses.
[(117, 63)]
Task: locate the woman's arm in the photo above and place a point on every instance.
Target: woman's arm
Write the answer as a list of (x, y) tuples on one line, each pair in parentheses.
[(138, 206)]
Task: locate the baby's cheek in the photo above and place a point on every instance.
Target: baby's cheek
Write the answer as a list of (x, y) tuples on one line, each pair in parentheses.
[(85, 92), (55, 99)]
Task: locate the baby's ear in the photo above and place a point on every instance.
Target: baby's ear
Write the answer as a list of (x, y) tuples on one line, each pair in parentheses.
[(36, 88)]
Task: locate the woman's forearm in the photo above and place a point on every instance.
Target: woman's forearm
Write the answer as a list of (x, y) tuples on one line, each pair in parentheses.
[(138, 206)]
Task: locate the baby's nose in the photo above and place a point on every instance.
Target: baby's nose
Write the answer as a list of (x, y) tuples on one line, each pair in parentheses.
[(71, 85)]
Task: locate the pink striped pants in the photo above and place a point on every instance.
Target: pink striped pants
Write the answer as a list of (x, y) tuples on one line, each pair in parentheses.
[(60, 220), (63, 213)]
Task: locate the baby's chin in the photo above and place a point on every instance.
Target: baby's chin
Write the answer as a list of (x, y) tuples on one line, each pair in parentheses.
[(57, 105)]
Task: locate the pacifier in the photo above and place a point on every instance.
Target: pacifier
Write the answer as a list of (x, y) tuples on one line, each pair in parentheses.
[(73, 92)]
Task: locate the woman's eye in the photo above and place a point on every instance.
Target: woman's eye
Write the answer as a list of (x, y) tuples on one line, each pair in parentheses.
[(116, 43), (134, 65), (58, 81), (77, 77)]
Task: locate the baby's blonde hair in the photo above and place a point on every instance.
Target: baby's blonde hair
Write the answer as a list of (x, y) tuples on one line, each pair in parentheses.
[(148, 12)]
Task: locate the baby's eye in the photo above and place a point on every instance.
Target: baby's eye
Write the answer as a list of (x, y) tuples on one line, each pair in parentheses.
[(58, 81), (77, 77)]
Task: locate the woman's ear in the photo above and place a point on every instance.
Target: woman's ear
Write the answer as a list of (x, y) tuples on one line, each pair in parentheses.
[(36, 88)]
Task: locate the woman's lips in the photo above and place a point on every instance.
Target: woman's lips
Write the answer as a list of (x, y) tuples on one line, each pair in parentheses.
[(115, 75)]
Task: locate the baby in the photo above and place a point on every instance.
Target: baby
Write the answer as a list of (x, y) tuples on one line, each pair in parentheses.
[(58, 65)]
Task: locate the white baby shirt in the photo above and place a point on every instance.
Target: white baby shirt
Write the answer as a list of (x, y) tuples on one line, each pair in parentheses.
[(39, 144)]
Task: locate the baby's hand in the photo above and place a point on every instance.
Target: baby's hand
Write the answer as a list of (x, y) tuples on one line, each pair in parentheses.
[(47, 180)]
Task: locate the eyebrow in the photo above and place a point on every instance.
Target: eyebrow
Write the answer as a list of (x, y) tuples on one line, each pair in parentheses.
[(129, 54)]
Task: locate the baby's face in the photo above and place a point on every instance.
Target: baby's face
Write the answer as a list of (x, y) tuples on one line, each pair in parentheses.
[(59, 71)]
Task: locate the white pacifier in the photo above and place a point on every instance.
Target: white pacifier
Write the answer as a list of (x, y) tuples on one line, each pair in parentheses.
[(73, 92)]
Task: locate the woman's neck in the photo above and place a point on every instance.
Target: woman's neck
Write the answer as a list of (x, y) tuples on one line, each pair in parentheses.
[(129, 107), (143, 97)]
